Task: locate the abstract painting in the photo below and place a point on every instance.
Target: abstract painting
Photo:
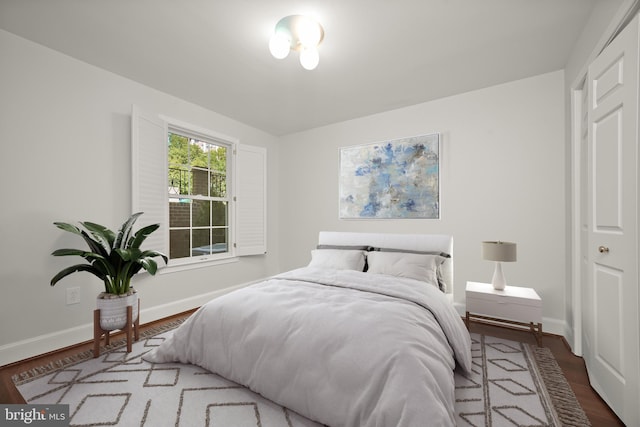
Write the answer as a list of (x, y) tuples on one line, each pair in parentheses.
[(391, 179)]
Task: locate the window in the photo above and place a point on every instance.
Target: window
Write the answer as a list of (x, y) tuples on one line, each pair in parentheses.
[(198, 170), (206, 190)]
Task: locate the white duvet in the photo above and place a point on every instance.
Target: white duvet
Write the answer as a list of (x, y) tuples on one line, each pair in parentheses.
[(340, 347)]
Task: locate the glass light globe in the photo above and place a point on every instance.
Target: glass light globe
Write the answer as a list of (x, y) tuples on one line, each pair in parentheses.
[(279, 45), (309, 58), (308, 31)]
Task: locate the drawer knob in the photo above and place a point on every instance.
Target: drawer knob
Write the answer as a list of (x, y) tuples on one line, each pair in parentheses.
[(603, 249)]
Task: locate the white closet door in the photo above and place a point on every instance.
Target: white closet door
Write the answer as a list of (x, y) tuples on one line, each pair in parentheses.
[(611, 328)]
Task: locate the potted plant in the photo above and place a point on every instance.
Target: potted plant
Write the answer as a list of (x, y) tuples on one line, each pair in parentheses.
[(114, 259)]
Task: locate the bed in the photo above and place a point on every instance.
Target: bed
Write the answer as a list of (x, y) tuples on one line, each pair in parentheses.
[(362, 336)]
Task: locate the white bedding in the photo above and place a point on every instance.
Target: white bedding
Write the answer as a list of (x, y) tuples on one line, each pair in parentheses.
[(340, 347)]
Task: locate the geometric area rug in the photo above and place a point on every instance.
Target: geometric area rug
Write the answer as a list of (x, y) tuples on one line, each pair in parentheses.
[(512, 384)]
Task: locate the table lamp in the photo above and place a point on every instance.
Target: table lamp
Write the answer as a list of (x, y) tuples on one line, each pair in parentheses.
[(499, 252)]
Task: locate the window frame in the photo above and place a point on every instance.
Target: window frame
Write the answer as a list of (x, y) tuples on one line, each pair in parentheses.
[(214, 138), (149, 189)]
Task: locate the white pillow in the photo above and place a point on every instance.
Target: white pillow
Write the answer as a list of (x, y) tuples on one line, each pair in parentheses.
[(338, 259), (401, 264)]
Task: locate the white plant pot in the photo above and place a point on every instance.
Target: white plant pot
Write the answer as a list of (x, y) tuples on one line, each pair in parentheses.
[(113, 309)]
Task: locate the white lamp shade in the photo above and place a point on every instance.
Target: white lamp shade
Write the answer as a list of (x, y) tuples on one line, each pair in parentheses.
[(308, 30), (499, 251), (309, 58), (279, 45)]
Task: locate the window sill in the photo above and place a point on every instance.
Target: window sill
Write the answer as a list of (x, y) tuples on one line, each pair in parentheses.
[(192, 265)]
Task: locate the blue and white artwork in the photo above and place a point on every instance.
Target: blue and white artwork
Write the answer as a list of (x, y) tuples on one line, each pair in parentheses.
[(391, 179)]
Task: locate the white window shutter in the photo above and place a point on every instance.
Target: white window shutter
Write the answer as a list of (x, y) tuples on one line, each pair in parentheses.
[(251, 200), (149, 176)]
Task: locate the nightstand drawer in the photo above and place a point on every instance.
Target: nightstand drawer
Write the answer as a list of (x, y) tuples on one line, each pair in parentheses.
[(505, 309)]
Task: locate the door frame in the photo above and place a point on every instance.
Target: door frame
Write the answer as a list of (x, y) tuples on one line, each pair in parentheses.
[(573, 332)]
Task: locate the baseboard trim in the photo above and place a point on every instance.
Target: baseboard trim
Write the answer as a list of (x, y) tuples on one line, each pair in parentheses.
[(570, 339), (29, 348), (554, 326)]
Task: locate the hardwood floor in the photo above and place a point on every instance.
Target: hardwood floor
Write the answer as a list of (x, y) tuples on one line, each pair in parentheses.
[(572, 366)]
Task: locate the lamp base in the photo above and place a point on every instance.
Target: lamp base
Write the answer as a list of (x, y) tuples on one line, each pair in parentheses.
[(498, 281)]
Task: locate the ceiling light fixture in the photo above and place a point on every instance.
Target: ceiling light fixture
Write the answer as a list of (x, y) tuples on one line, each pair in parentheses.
[(301, 33)]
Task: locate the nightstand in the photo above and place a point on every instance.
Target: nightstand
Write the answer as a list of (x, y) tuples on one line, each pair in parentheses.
[(514, 306)]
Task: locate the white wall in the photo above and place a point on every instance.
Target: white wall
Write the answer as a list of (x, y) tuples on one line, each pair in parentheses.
[(503, 178), (66, 157)]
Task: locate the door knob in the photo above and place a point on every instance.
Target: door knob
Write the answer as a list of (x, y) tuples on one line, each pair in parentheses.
[(603, 249)]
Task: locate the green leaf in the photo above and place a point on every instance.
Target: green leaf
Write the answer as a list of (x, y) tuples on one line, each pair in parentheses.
[(98, 236), (89, 256), (153, 254), (94, 245), (125, 231), (124, 254), (101, 231), (142, 234), (67, 227), (150, 265), (66, 252), (129, 254), (74, 268)]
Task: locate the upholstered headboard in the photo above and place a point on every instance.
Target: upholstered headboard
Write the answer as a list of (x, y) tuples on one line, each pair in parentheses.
[(411, 242)]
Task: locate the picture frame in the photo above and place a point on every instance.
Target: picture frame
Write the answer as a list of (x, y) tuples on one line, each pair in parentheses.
[(394, 179)]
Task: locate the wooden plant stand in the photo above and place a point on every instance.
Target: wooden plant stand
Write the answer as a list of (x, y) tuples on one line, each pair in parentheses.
[(130, 327)]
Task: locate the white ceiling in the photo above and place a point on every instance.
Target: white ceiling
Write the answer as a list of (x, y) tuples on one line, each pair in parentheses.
[(377, 55)]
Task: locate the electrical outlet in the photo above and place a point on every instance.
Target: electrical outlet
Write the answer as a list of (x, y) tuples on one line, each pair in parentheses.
[(73, 296)]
